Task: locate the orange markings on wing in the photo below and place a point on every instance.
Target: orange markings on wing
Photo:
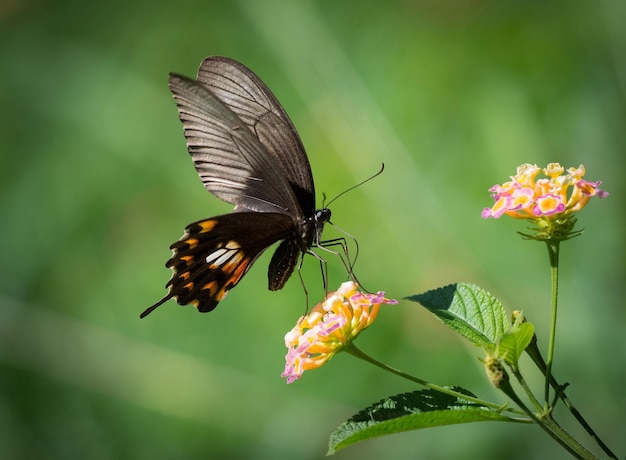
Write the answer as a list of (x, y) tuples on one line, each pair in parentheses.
[(187, 259), (191, 242), (211, 287), (241, 269), (238, 272), (207, 225), (234, 262)]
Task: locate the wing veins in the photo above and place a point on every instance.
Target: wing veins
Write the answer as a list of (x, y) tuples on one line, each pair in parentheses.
[(223, 147)]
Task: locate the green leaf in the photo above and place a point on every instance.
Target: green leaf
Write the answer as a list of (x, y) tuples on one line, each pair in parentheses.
[(469, 310), (513, 344), (410, 411)]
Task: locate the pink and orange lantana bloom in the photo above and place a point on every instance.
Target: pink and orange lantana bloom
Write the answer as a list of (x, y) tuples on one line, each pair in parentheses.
[(331, 326)]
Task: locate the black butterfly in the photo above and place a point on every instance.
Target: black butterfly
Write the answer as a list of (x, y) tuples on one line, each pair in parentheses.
[(247, 153)]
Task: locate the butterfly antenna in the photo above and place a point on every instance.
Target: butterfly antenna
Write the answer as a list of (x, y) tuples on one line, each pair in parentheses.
[(382, 168), (348, 263)]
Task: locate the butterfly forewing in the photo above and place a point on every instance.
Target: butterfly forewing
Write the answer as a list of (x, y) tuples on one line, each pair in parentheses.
[(231, 162), (253, 102)]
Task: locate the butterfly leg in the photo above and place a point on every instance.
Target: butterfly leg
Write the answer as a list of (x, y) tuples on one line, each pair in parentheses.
[(344, 255), (306, 292), (351, 263)]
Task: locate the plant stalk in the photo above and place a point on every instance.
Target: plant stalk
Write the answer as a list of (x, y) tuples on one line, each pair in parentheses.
[(354, 351), (553, 253)]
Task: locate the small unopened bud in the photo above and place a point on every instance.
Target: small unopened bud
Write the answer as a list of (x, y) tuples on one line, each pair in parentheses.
[(496, 372), (517, 315)]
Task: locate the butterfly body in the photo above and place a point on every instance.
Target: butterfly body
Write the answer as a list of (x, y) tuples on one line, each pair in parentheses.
[(247, 153), (309, 232)]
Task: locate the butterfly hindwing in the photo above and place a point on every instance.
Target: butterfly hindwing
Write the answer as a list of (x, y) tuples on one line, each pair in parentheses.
[(283, 263), (214, 254)]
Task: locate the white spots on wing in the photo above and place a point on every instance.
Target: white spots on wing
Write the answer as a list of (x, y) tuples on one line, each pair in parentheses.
[(215, 255), (228, 255)]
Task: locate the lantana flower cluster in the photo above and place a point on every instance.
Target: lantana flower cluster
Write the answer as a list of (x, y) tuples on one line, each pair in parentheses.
[(330, 327), (527, 197), (549, 202)]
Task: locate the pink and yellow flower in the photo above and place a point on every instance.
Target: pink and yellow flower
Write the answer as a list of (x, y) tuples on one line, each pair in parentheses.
[(556, 195), (548, 201), (329, 328)]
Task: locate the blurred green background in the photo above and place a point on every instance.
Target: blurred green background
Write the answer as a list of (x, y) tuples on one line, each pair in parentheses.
[(451, 95)]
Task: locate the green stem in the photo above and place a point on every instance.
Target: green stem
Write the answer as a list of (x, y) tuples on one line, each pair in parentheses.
[(546, 423), (354, 351), (549, 425), (577, 449), (522, 381), (553, 253), (535, 354)]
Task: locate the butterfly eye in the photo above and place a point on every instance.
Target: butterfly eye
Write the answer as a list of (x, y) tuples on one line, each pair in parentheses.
[(323, 215)]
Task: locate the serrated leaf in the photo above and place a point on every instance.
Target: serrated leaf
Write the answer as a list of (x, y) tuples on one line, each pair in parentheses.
[(407, 412), (469, 310), (513, 344)]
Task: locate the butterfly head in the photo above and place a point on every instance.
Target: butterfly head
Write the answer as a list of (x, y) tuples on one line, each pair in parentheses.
[(322, 216)]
